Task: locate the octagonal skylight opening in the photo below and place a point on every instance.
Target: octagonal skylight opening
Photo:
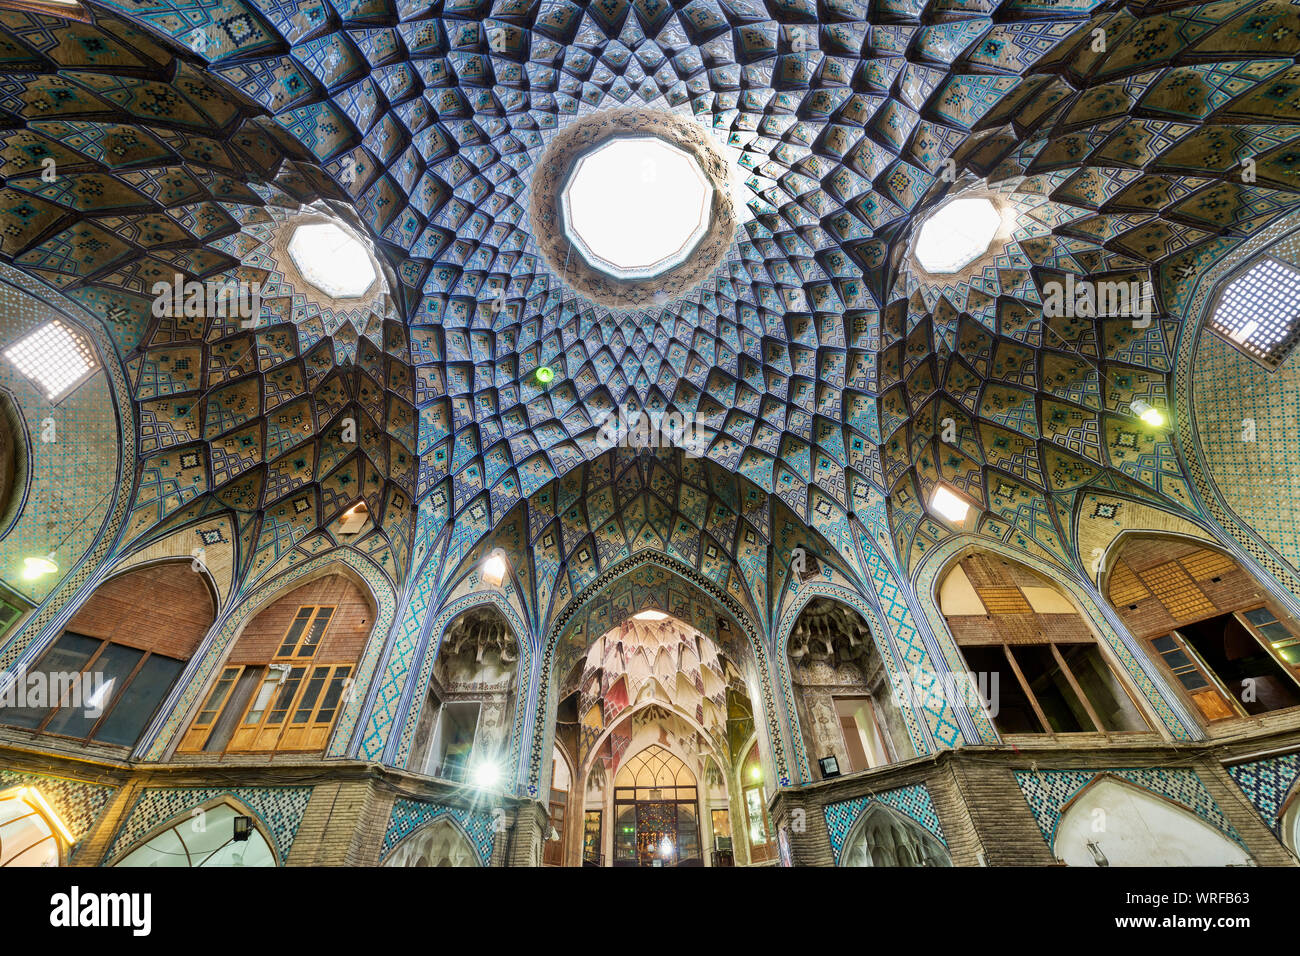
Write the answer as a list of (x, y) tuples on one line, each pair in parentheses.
[(335, 262), (636, 206), (956, 234)]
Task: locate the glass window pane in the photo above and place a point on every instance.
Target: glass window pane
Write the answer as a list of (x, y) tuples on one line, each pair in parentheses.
[(312, 640), (303, 712), (107, 676), (295, 631), (212, 706), (263, 699), (287, 691), (331, 701), (66, 657), (1260, 616), (139, 700)]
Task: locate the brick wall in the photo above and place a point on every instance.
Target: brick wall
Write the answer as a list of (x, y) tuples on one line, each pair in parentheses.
[(1158, 584), (166, 608), (344, 639)]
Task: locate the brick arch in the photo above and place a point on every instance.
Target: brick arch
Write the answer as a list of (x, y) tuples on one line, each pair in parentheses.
[(166, 604), (185, 697), (1095, 610)]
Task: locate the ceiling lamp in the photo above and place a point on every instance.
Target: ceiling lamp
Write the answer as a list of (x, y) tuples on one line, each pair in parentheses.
[(956, 234), (650, 616), (544, 375), (494, 569), (1147, 412), (335, 262), (948, 505), (38, 567), (636, 206)]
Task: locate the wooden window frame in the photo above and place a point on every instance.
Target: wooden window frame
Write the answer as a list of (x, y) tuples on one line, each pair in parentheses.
[(1212, 678), (117, 696), (281, 725)]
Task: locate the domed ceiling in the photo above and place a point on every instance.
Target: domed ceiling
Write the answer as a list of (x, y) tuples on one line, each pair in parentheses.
[(832, 378)]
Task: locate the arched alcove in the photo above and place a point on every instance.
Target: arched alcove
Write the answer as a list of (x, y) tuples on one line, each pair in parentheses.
[(884, 837), (1114, 824), (465, 725), (441, 843), (1220, 638), (288, 675), (842, 692), (1033, 660)]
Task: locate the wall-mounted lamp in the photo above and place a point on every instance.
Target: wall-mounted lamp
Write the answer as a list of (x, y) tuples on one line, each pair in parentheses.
[(830, 767)]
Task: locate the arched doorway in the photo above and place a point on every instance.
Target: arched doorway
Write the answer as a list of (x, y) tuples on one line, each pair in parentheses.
[(653, 681), (1224, 644), (554, 849), (759, 832), (656, 811)]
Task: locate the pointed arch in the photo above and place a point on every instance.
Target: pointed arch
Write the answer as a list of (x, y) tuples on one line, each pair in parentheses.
[(441, 842), (195, 682), (883, 836), (1113, 822), (203, 835), (1096, 612)]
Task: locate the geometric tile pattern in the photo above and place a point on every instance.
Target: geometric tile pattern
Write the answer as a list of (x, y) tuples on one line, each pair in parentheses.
[(1048, 791), (835, 385), (410, 815), (1268, 783), (78, 804), (912, 801), (279, 809)]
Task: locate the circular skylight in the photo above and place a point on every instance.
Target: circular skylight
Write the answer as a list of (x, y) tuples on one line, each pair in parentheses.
[(333, 261), (956, 235), (636, 206)]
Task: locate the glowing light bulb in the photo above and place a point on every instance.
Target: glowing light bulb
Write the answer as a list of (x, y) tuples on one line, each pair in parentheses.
[(1147, 412), (486, 774), (35, 567)]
